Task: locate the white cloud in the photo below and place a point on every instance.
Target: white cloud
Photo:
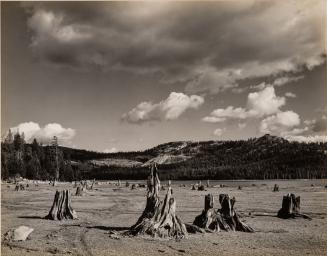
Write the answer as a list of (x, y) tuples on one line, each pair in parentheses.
[(259, 104), (44, 134), (286, 79), (169, 109), (280, 122), (265, 102), (219, 132), (260, 86), (307, 139), (111, 150), (310, 122), (295, 131), (50, 26), (222, 114), (290, 95)]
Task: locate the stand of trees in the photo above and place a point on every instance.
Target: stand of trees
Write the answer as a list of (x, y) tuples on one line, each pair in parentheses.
[(34, 161), (267, 157)]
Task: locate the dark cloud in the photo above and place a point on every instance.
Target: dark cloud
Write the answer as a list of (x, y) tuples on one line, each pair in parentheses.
[(208, 45)]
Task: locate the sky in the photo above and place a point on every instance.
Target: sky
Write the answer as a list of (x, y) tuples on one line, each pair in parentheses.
[(122, 76)]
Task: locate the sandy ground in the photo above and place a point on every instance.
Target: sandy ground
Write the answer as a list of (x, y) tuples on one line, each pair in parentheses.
[(107, 209)]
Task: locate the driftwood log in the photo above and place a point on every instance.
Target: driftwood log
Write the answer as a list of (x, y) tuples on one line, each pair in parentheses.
[(226, 218), (159, 218), (61, 208), (291, 208)]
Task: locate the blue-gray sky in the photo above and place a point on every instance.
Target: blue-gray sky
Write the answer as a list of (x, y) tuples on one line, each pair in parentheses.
[(123, 76)]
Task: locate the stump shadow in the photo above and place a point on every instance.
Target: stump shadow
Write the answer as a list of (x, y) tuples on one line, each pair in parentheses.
[(109, 228), (30, 217)]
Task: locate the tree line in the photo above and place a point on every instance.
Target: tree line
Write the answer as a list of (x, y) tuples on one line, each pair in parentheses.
[(267, 157), (34, 161)]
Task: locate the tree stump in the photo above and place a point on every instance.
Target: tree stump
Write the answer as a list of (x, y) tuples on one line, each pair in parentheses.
[(208, 183), (225, 218), (133, 186), (276, 188), (291, 208), (208, 219), (79, 191), (201, 188), (159, 218), (61, 208)]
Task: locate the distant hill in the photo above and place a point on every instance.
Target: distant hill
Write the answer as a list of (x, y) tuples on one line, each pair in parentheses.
[(267, 157)]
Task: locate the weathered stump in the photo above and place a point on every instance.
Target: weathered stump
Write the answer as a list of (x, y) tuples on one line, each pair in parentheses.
[(201, 188), (208, 219), (61, 208), (276, 188), (225, 218), (91, 187), (133, 186), (291, 208), (79, 191), (159, 218)]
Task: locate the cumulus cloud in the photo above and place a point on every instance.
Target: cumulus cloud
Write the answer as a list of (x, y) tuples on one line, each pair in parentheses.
[(265, 102), (211, 51), (219, 132), (259, 104), (222, 114), (111, 150), (169, 109), (44, 134), (307, 139), (280, 122), (290, 95)]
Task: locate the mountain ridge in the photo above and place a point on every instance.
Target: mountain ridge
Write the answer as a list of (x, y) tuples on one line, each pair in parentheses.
[(259, 158)]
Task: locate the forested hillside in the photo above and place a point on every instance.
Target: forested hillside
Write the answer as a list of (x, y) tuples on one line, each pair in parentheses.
[(267, 157)]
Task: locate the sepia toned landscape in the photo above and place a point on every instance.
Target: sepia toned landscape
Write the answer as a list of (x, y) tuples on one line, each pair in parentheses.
[(164, 128)]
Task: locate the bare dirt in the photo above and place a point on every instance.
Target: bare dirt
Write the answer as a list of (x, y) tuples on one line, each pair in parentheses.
[(105, 212)]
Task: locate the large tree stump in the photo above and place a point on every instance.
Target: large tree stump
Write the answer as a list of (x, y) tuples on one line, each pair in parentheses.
[(159, 218), (208, 219), (61, 208), (225, 218), (291, 207)]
